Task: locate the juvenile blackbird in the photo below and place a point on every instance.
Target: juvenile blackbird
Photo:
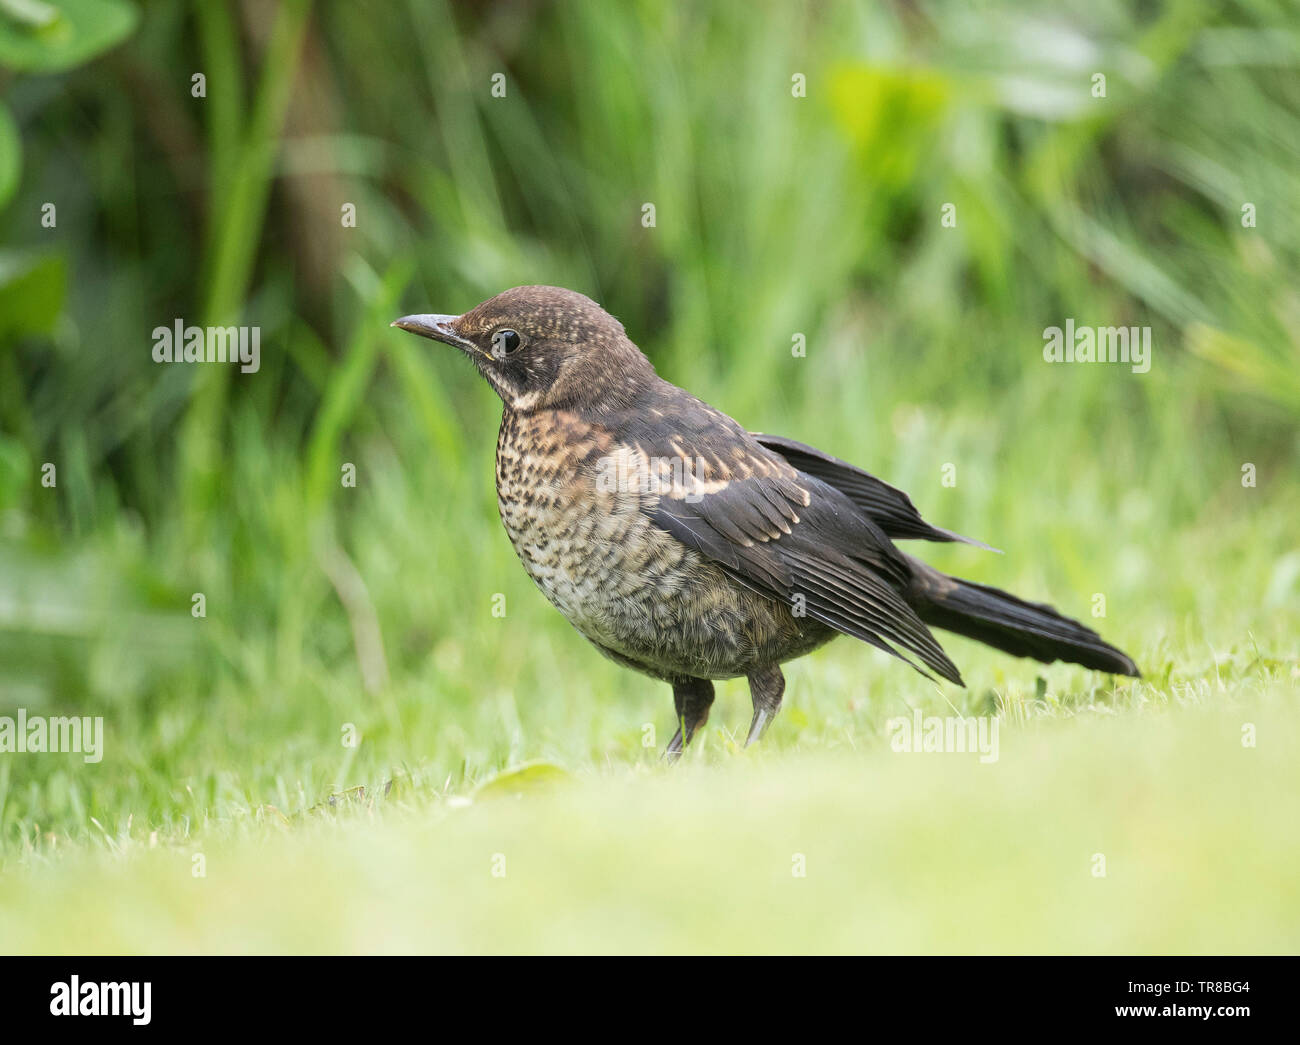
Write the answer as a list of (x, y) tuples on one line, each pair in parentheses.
[(689, 549)]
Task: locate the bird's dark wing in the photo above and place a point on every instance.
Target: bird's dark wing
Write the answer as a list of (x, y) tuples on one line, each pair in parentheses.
[(788, 536), (888, 507)]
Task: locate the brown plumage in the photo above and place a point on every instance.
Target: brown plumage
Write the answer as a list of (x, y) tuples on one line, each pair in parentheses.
[(687, 548)]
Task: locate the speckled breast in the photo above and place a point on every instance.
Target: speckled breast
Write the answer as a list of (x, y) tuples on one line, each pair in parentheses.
[(632, 589)]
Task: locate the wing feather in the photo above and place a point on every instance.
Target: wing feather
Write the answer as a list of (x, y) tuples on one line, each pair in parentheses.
[(887, 505), (839, 563)]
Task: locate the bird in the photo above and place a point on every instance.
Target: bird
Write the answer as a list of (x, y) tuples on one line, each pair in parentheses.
[(687, 548)]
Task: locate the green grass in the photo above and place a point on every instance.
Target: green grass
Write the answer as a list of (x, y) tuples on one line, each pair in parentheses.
[(371, 606), (899, 853), (907, 852)]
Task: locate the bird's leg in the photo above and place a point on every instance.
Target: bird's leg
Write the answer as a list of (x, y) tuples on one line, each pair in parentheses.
[(766, 687), (692, 698)]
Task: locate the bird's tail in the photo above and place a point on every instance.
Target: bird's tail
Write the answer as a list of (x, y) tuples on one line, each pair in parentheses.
[(1000, 620)]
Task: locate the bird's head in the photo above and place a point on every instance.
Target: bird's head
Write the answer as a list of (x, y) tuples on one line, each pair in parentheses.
[(543, 348)]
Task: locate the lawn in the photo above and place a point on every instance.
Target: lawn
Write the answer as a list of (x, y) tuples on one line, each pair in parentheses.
[(1184, 781), (835, 845), (338, 716)]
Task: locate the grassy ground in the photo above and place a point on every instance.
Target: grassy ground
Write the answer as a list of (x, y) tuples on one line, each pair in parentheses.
[(904, 851), (1159, 507), (224, 738), (836, 847)]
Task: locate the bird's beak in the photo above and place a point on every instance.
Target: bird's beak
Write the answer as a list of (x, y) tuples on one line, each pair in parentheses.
[(436, 328)]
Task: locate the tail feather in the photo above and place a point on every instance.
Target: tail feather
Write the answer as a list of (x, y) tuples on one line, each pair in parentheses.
[(1003, 621)]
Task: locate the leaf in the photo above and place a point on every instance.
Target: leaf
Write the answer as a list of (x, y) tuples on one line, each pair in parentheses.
[(891, 116), (38, 37), (11, 156), (31, 14), (15, 471), (32, 288), (528, 779)]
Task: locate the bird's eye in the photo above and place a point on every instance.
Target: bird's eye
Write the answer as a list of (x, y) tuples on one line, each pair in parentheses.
[(504, 342)]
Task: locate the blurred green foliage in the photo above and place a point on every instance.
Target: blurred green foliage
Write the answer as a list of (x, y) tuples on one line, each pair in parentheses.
[(775, 215)]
